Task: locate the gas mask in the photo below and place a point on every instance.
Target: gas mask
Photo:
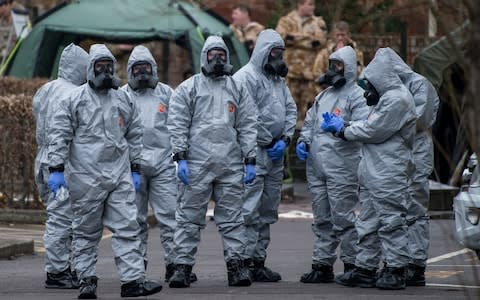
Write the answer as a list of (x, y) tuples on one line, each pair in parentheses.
[(217, 66), (334, 75), (104, 78), (142, 76), (275, 64), (371, 94)]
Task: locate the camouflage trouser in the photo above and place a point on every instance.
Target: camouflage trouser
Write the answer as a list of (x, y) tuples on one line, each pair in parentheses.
[(303, 92)]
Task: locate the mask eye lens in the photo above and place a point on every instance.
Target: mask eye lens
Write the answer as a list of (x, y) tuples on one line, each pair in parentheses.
[(103, 66), (336, 66), (276, 52), (216, 53), (142, 68)]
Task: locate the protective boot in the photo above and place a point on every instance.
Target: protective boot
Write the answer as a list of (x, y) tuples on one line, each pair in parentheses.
[(415, 275), (392, 279), (264, 274), (170, 269), (62, 280), (319, 274), (238, 274), (181, 276), (248, 263), (88, 288), (75, 280), (348, 267), (358, 277), (139, 288)]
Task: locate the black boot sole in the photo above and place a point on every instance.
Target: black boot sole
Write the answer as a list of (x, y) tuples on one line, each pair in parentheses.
[(361, 285), (400, 287), (145, 293), (87, 296), (178, 284), (245, 282), (60, 287), (319, 281), (416, 283)]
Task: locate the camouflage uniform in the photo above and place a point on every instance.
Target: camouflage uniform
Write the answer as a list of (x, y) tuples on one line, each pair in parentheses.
[(304, 37), (248, 34)]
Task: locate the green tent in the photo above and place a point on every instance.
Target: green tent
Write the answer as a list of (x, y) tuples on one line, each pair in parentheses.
[(119, 21), (433, 60)]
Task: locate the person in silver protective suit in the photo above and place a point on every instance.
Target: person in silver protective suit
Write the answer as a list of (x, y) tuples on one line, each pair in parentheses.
[(264, 78), (158, 182), (426, 106), (97, 135), (212, 126), (57, 239), (332, 165), (383, 174)]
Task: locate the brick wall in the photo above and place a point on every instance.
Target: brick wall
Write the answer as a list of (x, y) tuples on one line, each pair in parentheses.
[(261, 9)]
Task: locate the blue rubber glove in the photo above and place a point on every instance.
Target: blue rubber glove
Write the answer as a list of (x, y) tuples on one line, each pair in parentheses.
[(276, 152), (55, 181), (136, 179), (302, 152), (182, 171), (326, 121), (250, 174), (336, 124)]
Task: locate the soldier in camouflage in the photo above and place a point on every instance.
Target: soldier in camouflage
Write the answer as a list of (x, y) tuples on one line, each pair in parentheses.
[(305, 35), (245, 30)]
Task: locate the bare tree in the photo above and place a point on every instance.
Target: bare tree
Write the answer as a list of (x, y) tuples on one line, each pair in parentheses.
[(471, 111)]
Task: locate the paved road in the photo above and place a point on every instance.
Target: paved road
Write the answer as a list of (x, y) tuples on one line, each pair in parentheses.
[(453, 273)]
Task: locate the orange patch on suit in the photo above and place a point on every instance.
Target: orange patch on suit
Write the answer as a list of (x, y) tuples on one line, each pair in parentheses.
[(231, 107), (120, 122), (161, 108), (337, 111)]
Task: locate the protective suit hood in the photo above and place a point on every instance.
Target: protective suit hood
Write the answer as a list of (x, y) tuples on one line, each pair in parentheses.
[(266, 41), (380, 73), (73, 64), (212, 42), (98, 52), (141, 53), (349, 58), (401, 68)]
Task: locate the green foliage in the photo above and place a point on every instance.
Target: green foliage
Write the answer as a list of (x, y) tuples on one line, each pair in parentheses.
[(282, 7), (356, 15)]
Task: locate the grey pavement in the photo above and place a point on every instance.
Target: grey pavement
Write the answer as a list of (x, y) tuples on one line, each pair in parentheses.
[(452, 273)]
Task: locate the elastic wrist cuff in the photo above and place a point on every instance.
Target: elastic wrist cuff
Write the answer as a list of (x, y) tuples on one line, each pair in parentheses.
[(250, 161), (286, 139), (271, 144), (182, 155), (135, 168), (59, 168), (341, 134)]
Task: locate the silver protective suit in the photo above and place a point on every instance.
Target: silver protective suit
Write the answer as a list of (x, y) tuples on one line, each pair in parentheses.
[(212, 119), (332, 165), (72, 72), (98, 135), (159, 185), (385, 168), (277, 115), (426, 106)]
